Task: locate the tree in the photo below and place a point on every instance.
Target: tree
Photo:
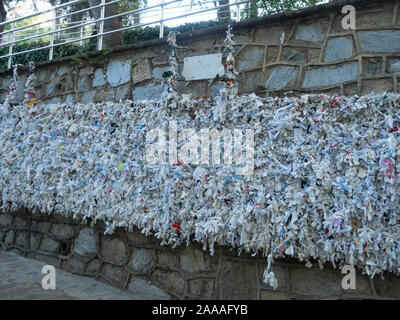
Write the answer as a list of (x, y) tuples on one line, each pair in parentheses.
[(276, 6), (3, 16)]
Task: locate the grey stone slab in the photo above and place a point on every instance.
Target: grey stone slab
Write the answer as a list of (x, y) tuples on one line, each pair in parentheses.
[(49, 245), (168, 280), (380, 41), (88, 97), (143, 260), (122, 92), (280, 77), (114, 250), (83, 84), (252, 58), (5, 220), (149, 92), (118, 72), (238, 280), (86, 243), (311, 33), (62, 231), (158, 72), (98, 79), (394, 66), (330, 76), (339, 49), (192, 260)]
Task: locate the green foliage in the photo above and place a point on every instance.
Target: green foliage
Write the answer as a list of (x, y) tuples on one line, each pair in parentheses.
[(276, 6), (130, 36), (141, 34)]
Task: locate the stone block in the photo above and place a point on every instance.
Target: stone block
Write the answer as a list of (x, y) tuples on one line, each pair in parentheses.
[(388, 287), (142, 71), (214, 89), (158, 72), (94, 266), (137, 238), (115, 274), (350, 89), (98, 79), (86, 71), (123, 92), (393, 66), (272, 54), (9, 238), (330, 76), (377, 86), (143, 260), (314, 32), (114, 250), (86, 243), (251, 58), (298, 55), (40, 226), (63, 84), (147, 290), (49, 89), (315, 283), (252, 79), (192, 260), (169, 280), (118, 72), (49, 245), (281, 77), (167, 259), (203, 287), (340, 48), (375, 16), (161, 59), (237, 280), (5, 220), (70, 99), (83, 84), (22, 239), (34, 240), (74, 264), (149, 92), (62, 231), (372, 66), (269, 35), (88, 97), (380, 41), (64, 70), (20, 222)]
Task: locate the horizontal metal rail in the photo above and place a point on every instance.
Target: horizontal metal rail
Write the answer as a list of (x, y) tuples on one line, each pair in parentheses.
[(55, 28)]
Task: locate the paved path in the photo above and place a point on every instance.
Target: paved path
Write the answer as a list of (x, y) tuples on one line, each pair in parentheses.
[(21, 278)]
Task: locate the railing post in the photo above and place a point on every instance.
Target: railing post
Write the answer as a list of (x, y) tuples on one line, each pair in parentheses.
[(53, 29), (10, 48), (162, 18), (81, 42), (101, 27)]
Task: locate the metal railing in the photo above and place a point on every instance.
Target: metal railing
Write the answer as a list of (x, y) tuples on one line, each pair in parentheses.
[(154, 15)]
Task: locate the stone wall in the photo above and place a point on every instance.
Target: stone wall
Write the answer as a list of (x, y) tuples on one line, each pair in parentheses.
[(130, 259), (318, 55)]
